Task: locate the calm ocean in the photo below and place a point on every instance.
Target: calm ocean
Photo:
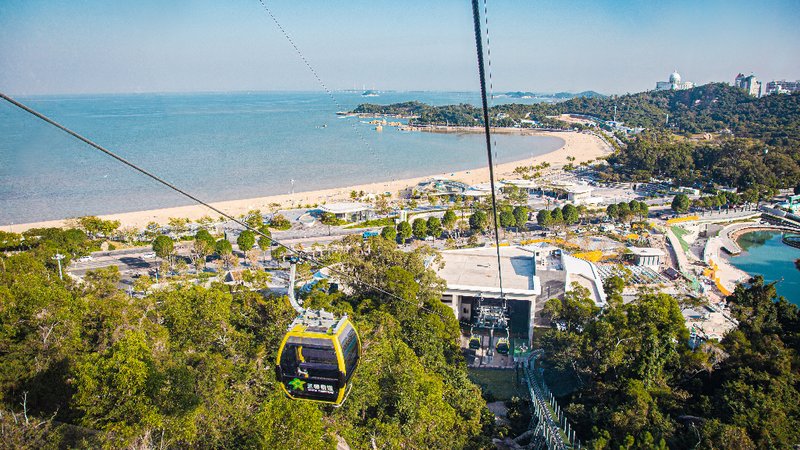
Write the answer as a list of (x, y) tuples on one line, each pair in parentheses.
[(219, 146)]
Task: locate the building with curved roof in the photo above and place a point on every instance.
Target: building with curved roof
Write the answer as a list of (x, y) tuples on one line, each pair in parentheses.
[(674, 83)]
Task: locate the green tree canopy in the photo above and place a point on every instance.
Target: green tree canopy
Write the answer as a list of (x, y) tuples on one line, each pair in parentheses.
[(643, 210), (264, 242), (420, 228), (680, 203), (329, 218), (544, 218), (507, 218), (246, 240), (389, 233), (557, 216), (204, 236), (449, 219), (624, 211), (521, 216), (434, 226), (9, 240), (612, 211), (94, 225), (570, 213), (479, 221), (280, 222), (223, 247), (575, 310), (163, 246), (404, 231), (254, 219)]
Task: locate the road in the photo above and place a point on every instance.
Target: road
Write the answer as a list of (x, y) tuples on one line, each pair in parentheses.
[(127, 260), (132, 262)]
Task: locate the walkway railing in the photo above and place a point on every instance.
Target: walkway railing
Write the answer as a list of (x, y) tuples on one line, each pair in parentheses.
[(550, 423)]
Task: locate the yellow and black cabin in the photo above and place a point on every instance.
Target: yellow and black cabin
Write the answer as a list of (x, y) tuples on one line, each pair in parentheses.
[(502, 346), (317, 357), (474, 341)]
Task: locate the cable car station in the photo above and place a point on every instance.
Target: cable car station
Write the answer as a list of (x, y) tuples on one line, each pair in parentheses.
[(495, 325)]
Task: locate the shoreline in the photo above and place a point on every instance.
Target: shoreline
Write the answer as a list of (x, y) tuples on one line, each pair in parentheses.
[(730, 275), (452, 129), (581, 146)]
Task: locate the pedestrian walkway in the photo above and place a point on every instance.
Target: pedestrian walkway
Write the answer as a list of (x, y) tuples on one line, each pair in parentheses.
[(549, 424)]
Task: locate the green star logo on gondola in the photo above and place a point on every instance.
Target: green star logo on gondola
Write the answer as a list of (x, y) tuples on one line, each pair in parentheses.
[(297, 384)]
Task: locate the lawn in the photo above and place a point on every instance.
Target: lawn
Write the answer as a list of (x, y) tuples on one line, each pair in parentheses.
[(501, 384), (383, 222), (680, 233)]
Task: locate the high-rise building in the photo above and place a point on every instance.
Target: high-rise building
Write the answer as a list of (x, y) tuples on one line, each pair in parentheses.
[(749, 83), (674, 83), (782, 87)]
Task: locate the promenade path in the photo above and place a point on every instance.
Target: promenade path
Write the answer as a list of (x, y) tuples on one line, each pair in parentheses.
[(728, 275), (550, 425), (676, 251)]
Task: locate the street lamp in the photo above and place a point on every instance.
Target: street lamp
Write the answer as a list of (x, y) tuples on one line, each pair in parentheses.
[(58, 257)]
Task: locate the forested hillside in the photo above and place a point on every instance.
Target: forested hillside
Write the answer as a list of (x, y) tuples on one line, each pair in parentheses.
[(708, 108), (84, 365), (636, 383)]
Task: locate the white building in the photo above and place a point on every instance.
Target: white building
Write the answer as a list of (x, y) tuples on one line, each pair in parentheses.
[(750, 84), (531, 276), (529, 186), (646, 256), (349, 211), (481, 190), (581, 194), (782, 87), (674, 84)]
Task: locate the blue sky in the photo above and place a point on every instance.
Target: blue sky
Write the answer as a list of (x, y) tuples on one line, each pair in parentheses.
[(90, 46)]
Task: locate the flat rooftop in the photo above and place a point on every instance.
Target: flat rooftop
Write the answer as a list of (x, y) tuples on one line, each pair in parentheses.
[(522, 183), (579, 189), (475, 269), (345, 207), (646, 251), (475, 193)]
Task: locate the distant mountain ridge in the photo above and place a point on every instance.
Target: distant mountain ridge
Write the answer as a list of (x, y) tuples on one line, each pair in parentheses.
[(557, 95), (709, 108)]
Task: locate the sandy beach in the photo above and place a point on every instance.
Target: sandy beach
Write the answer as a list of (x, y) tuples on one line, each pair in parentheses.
[(581, 146)]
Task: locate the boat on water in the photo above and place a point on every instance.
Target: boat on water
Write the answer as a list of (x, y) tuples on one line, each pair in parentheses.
[(369, 93)]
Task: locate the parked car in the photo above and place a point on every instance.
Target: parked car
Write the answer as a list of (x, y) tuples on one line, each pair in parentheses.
[(149, 255), (86, 258)]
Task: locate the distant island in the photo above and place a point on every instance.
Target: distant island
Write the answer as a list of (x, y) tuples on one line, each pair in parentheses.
[(715, 133), (556, 96)]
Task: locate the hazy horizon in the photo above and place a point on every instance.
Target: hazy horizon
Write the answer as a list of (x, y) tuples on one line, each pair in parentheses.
[(612, 46)]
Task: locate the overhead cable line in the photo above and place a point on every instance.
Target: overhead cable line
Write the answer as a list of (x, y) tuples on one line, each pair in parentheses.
[(476, 15), (300, 254), (489, 70), (317, 77), (488, 52)]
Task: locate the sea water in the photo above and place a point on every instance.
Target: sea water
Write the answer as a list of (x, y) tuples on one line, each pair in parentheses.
[(218, 146), (765, 254)]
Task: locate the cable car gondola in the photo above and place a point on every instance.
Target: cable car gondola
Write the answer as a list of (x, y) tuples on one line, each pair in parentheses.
[(502, 346), (474, 342), (317, 357)]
